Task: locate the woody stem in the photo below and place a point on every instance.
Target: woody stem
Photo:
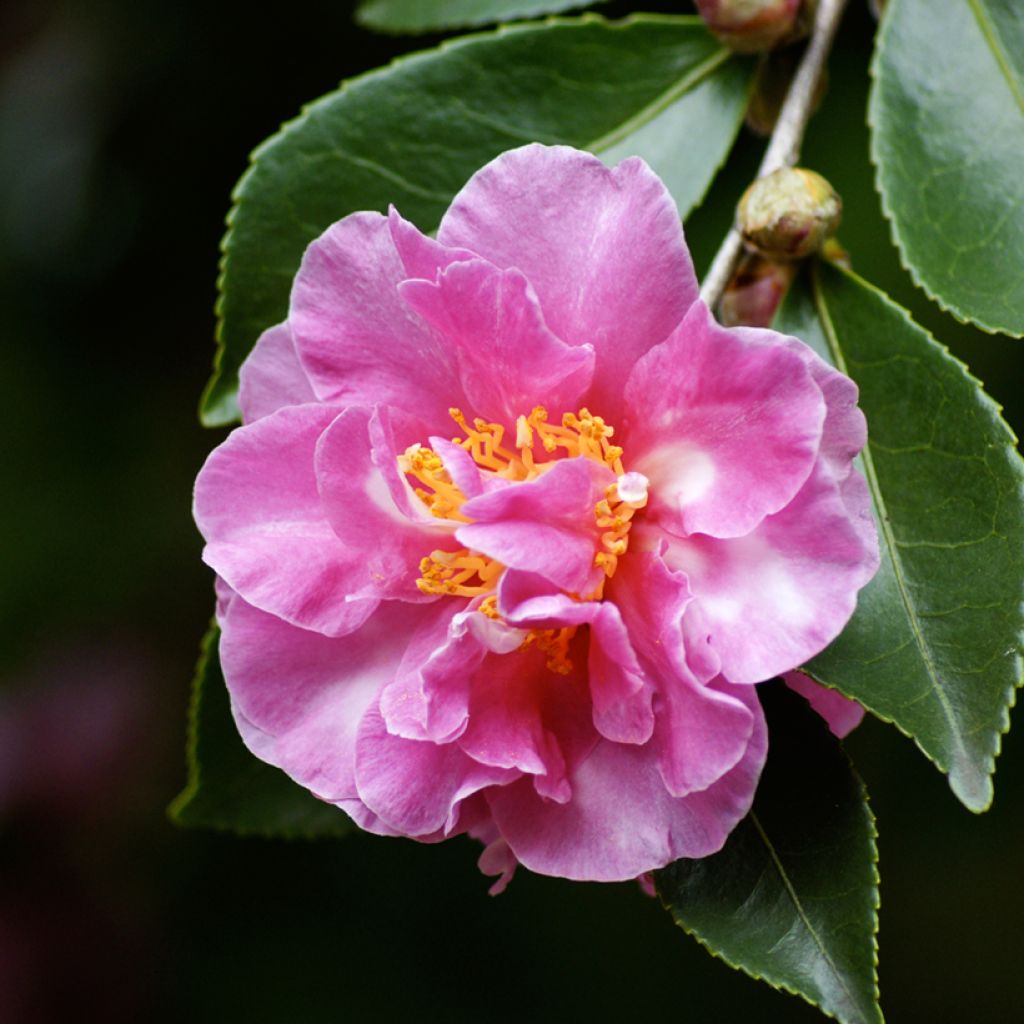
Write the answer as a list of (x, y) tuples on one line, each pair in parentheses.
[(784, 146)]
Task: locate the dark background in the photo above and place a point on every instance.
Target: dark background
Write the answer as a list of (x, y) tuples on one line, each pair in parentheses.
[(123, 126)]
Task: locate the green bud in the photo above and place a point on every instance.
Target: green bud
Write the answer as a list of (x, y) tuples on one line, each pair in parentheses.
[(788, 214), (748, 26)]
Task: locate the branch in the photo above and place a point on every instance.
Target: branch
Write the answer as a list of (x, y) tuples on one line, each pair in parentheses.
[(784, 147)]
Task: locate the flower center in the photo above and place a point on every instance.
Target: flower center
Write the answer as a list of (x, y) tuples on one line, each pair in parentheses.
[(538, 445)]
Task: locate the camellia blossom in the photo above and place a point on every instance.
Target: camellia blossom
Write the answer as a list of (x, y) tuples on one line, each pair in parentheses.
[(513, 526)]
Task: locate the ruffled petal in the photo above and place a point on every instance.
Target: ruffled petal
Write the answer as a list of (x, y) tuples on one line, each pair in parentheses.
[(702, 726), (497, 858), (508, 359), (429, 698), (422, 256), (268, 537), (356, 339), (603, 250), (299, 696), (726, 431), (372, 508), (507, 727), (619, 690), (621, 821), (842, 714), (271, 376), (845, 431), (465, 473), (545, 526), (775, 598), (415, 786)]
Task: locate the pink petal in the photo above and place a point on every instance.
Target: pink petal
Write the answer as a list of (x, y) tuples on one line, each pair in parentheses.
[(603, 250), (775, 598), (546, 525), (652, 599), (842, 714), (371, 507), (356, 338), (509, 361), (421, 256), (257, 505), (621, 821), (429, 698), (498, 859), (531, 601), (271, 376), (465, 473), (702, 726), (702, 731), (725, 430), (845, 430), (416, 786), (305, 693), (619, 691), (622, 698), (507, 727), (619, 687)]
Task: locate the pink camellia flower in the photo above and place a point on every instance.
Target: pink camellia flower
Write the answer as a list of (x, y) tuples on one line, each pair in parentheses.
[(513, 526)]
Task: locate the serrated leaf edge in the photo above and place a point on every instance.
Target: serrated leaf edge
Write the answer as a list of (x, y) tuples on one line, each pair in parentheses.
[(781, 986), (894, 233), (185, 797), (1010, 695), (191, 789), (470, 21), (218, 409)]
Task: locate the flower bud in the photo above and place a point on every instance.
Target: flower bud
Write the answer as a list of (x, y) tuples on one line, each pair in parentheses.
[(755, 291), (789, 213), (749, 25)]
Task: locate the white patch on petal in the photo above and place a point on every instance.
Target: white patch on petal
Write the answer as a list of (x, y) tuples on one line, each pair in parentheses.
[(679, 474), (379, 493), (789, 603), (759, 573), (722, 609), (495, 635)]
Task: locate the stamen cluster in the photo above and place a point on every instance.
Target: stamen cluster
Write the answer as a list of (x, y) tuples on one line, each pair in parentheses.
[(466, 573)]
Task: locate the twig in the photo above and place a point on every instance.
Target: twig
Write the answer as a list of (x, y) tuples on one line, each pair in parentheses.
[(784, 147)]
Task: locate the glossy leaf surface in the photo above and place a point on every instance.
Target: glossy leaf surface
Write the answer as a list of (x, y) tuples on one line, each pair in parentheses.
[(228, 788), (792, 898), (935, 643), (411, 134), (412, 16), (947, 111)]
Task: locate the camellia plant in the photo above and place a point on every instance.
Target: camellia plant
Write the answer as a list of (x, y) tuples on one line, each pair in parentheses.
[(527, 535)]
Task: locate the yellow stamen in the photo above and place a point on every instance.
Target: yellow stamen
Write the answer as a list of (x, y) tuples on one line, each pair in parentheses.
[(465, 573)]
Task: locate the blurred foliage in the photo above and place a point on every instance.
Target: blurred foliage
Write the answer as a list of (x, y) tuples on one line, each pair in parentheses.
[(123, 127)]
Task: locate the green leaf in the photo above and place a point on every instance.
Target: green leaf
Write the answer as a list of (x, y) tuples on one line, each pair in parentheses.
[(947, 112), (935, 643), (414, 16), (792, 898), (228, 788), (412, 133)]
